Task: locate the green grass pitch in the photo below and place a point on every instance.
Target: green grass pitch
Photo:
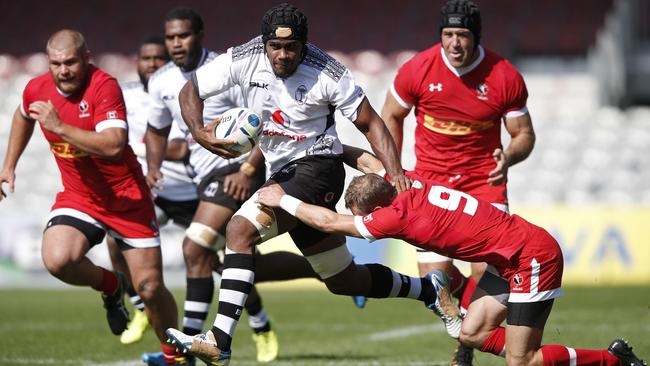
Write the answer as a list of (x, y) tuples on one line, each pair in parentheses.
[(315, 328)]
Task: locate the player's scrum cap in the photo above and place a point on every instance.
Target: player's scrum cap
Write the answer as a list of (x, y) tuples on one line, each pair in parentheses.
[(284, 21), (461, 14)]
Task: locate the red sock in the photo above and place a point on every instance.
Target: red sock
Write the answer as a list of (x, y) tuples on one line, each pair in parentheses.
[(466, 297), (169, 352), (556, 355), (496, 342), (109, 282)]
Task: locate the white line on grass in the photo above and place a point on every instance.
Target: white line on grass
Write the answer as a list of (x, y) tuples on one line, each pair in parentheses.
[(406, 332)]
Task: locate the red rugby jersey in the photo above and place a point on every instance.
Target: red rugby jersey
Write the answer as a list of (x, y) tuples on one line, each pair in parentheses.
[(98, 106), (449, 222), (459, 111)]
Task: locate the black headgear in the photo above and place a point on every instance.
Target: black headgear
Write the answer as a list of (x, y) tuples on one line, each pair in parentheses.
[(284, 21), (461, 14)]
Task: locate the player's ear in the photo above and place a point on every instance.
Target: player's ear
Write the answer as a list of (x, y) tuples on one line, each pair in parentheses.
[(200, 35), (86, 57)]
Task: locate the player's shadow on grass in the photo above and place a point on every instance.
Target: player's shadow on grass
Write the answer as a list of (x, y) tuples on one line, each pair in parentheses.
[(330, 357)]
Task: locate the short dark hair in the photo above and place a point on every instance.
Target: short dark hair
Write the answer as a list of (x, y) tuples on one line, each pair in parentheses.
[(156, 39), (366, 192), (462, 14), (185, 13), (153, 39), (284, 16)]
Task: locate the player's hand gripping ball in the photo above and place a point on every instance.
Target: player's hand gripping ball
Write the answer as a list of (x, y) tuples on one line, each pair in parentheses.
[(243, 126)]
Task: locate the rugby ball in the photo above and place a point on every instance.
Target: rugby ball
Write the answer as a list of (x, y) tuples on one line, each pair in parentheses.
[(242, 125)]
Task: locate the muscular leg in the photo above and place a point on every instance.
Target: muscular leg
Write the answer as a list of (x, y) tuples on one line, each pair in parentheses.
[(64, 255), (146, 272), (482, 321)]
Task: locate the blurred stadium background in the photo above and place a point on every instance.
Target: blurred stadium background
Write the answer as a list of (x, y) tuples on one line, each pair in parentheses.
[(586, 64)]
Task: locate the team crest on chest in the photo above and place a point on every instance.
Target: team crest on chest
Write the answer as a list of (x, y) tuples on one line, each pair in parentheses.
[(83, 109), (482, 91), (301, 94)]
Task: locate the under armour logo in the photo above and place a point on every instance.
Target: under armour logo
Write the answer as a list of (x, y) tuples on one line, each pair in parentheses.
[(435, 87)]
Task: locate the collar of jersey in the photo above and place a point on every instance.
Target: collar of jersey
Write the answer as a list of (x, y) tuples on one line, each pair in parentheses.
[(463, 70)]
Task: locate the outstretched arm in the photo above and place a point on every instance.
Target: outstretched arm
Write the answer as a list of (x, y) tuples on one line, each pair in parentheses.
[(319, 218)]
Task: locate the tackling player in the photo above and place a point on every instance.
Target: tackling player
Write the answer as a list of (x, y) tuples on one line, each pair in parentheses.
[(458, 225), (81, 112), (462, 93), (295, 87)]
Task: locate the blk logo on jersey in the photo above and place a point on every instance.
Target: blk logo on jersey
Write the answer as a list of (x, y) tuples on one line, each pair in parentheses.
[(257, 84), (482, 91), (83, 109), (301, 94), (111, 114), (367, 218), (435, 87)]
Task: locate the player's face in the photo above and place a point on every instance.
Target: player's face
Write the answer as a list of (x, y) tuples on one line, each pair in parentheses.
[(68, 68), (150, 58), (284, 55), (458, 44), (183, 45)]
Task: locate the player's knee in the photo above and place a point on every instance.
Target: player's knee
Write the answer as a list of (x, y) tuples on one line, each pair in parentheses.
[(198, 260), (251, 223), (60, 263), (205, 236), (330, 266), (470, 336), (239, 237), (149, 288)]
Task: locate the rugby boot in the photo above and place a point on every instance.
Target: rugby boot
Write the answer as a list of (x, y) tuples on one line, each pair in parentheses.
[(203, 346), (158, 359), (116, 312), (463, 356), (267, 346), (443, 306), (622, 350), (136, 328)]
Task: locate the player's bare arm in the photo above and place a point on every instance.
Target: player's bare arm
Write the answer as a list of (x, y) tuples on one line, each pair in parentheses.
[(372, 126), (21, 131), (192, 112), (522, 142), (317, 217), (108, 143), (177, 150), (238, 184), (361, 160), (155, 141), (393, 115)]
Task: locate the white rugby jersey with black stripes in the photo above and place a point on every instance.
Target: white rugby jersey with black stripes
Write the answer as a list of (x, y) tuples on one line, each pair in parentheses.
[(164, 86), (297, 112), (177, 184)]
